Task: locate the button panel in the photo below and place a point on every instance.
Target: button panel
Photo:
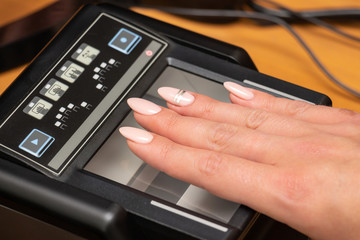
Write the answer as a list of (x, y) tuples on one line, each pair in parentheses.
[(78, 93)]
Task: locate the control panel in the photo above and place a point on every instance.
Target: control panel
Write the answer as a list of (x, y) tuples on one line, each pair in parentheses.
[(65, 108)]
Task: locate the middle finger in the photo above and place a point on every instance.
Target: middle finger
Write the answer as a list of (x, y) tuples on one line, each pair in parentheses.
[(252, 118)]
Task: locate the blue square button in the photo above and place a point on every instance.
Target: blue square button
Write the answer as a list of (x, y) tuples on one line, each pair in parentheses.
[(125, 41), (36, 143)]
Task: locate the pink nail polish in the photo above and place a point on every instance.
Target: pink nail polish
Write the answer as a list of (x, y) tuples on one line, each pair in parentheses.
[(143, 106), (176, 96), (136, 134), (239, 90)]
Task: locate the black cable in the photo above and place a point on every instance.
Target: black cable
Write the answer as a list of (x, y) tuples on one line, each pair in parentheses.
[(313, 20), (261, 16), (347, 13)]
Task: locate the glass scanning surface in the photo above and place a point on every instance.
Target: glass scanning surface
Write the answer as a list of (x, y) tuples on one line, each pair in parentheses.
[(115, 161)]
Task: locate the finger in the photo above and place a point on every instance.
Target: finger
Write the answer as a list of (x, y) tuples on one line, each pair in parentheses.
[(210, 135), (208, 108), (294, 108), (229, 177), (246, 143), (265, 188), (340, 122)]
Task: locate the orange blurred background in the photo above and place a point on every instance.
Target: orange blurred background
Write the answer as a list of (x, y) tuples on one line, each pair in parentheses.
[(273, 50)]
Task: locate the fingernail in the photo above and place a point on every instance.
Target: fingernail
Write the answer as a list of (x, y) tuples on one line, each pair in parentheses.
[(176, 96), (136, 134), (143, 106), (239, 90)]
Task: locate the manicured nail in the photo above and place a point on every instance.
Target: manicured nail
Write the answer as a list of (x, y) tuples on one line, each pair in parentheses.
[(176, 96), (239, 90), (136, 134), (143, 106)]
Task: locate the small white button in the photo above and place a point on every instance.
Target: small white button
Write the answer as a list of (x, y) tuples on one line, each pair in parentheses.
[(83, 104), (57, 123), (103, 65), (58, 116), (96, 76), (99, 86), (70, 106), (111, 61), (97, 69), (62, 109)]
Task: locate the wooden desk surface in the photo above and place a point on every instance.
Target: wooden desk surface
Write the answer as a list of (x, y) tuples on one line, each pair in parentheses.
[(276, 53)]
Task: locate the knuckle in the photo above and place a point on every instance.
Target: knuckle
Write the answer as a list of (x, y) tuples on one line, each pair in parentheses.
[(209, 165), (297, 191), (256, 119), (294, 188), (221, 135), (314, 148), (295, 108)]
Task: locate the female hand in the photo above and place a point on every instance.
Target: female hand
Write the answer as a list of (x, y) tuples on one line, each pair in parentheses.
[(293, 161)]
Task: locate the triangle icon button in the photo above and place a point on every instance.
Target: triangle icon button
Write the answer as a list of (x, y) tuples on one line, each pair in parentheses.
[(35, 141)]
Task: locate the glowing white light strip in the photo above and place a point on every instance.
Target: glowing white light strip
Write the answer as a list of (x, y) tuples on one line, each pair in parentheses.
[(275, 91), (189, 216)]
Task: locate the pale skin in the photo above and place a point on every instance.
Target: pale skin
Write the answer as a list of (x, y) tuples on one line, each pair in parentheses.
[(295, 162)]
